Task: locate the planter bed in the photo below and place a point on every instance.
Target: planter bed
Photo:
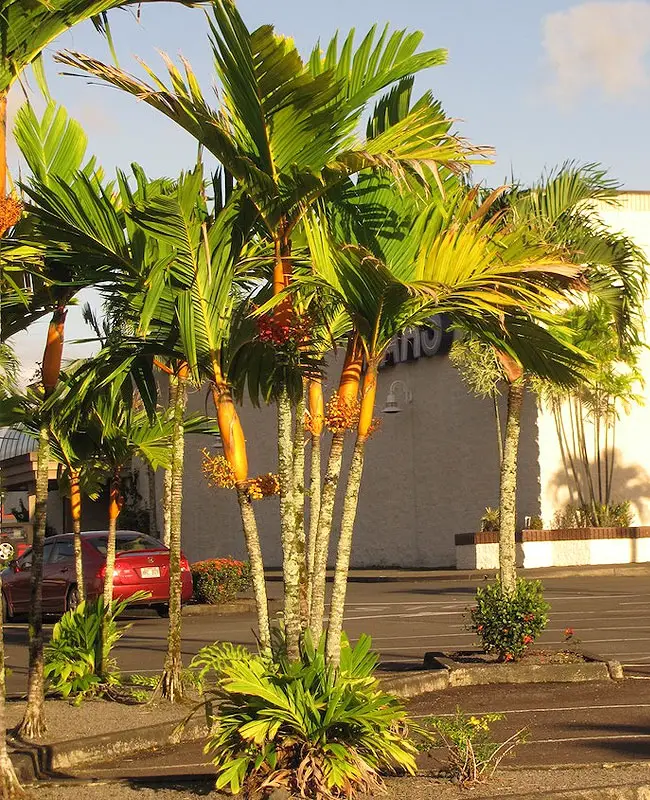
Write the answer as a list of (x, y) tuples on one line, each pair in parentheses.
[(474, 667), (557, 548)]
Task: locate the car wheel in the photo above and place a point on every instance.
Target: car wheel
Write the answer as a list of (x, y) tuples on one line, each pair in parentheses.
[(7, 616), (162, 611), (72, 599)]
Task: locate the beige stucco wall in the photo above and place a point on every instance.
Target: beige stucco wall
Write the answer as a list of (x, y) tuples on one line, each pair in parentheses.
[(632, 472), (430, 472)]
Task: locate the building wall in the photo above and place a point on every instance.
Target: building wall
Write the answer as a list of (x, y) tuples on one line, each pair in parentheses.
[(430, 472), (632, 470)]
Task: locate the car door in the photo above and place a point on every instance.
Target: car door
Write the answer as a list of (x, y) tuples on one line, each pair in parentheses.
[(58, 574), (21, 582)]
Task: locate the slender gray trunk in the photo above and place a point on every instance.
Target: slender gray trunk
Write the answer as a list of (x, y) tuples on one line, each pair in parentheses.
[(9, 784), (167, 476), (314, 511), (497, 419), (254, 550), (299, 508), (78, 560), (153, 501), (167, 506), (291, 557), (508, 489), (33, 724), (323, 532), (172, 675), (339, 589)]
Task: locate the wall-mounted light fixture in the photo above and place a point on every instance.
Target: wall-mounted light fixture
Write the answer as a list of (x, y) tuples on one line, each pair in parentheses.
[(392, 406)]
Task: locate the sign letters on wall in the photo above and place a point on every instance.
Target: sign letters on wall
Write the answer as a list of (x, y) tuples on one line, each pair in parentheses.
[(413, 343)]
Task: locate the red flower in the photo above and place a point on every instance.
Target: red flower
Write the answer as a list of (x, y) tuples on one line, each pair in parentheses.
[(568, 632), (528, 639)]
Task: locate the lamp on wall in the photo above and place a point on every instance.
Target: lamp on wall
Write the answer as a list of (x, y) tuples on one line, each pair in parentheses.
[(392, 406)]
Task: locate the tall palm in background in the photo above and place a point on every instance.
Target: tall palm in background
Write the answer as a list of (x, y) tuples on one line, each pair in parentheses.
[(560, 210), (454, 260)]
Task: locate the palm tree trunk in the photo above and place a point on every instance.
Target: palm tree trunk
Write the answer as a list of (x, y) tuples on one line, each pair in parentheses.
[(75, 513), (3, 143), (350, 503), (167, 477), (316, 419), (9, 784), (497, 419), (172, 680), (291, 558), (234, 448), (299, 505), (33, 724), (114, 508), (153, 501), (508, 489)]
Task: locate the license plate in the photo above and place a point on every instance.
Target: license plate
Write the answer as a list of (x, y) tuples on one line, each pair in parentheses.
[(150, 572)]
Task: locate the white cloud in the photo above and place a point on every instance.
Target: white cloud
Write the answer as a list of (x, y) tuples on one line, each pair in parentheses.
[(599, 45)]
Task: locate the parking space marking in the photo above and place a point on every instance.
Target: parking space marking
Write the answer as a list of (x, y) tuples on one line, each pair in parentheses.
[(541, 710)]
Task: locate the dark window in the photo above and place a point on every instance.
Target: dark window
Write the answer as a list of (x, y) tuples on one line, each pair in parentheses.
[(47, 552), (62, 551), (127, 543)]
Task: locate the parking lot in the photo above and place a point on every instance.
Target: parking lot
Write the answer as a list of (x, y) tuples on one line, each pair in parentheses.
[(610, 616)]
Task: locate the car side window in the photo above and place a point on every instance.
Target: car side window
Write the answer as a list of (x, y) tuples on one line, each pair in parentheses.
[(25, 561), (47, 551), (61, 551)]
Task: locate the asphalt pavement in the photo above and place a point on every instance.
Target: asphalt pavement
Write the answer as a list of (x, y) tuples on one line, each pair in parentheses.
[(565, 723), (610, 616)]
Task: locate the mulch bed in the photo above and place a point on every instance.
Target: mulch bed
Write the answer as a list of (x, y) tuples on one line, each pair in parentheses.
[(530, 657)]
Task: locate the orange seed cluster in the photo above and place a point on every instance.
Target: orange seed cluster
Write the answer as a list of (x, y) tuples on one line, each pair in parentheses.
[(10, 212), (341, 416), (217, 471), (263, 486)]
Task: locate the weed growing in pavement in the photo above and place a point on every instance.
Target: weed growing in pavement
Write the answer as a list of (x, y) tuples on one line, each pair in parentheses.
[(473, 754), (507, 623)]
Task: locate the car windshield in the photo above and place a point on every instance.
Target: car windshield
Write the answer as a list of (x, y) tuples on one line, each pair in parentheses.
[(126, 543)]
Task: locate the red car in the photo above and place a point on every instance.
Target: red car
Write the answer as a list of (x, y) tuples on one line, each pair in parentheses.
[(141, 563)]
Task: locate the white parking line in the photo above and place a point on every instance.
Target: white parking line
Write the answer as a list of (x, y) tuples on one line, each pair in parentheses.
[(540, 710)]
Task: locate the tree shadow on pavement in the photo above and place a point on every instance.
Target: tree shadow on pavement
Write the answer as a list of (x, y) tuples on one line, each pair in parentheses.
[(186, 788), (632, 742)]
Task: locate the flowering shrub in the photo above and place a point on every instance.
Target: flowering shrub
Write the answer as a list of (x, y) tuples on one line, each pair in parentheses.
[(473, 753), (507, 623), (219, 580)]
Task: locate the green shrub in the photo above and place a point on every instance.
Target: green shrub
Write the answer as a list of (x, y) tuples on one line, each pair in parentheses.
[(219, 580), (314, 730), (473, 753), (77, 664), (507, 623), (535, 523), (491, 519)]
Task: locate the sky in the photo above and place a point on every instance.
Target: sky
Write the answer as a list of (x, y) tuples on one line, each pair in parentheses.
[(542, 82)]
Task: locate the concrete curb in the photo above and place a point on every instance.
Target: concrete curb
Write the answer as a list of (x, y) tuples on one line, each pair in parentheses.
[(441, 672), (416, 576), (242, 605), (33, 762), (636, 791)]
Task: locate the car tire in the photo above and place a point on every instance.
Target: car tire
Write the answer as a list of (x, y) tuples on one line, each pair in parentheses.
[(7, 616), (162, 611), (72, 599)]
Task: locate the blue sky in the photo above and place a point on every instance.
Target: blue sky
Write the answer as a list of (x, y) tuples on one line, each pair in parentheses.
[(541, 82)]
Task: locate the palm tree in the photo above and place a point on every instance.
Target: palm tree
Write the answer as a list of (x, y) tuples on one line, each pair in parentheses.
[(285, 132), (454, 261), (560, 210)]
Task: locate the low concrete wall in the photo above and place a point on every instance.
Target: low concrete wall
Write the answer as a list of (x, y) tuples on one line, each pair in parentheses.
[(557, 548)]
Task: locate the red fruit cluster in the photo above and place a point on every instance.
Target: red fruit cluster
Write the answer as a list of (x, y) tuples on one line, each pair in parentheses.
[(279, 332)]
